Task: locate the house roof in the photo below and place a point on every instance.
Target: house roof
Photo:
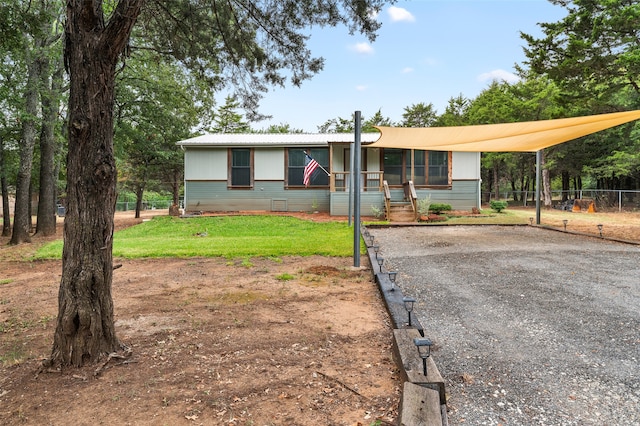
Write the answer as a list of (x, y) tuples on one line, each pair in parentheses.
[(273, 139), (527, 136)]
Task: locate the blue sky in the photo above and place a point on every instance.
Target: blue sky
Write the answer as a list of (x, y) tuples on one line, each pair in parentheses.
[(426, 51)]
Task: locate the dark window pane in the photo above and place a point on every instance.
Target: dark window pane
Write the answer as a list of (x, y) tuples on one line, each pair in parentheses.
[(295, 169), (241, 177), (241, 167), (241, 157), (438, 168), (393, 166), (419, 168)]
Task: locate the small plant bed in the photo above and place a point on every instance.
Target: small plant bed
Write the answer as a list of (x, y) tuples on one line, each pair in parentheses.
[(474, 213), (433, 218), (439, 208)]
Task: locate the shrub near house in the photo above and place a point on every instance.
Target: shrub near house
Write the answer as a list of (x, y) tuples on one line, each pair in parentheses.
[(438, 208), (498, 205)]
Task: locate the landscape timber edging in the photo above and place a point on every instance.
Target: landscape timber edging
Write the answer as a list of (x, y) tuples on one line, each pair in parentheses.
[(423, 399)]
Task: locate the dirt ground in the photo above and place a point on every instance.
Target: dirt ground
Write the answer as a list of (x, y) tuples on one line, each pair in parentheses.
[(297, 342)]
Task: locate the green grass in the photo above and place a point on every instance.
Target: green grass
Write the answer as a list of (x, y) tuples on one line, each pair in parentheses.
[(284, 277), (490, 217), (226, 236)]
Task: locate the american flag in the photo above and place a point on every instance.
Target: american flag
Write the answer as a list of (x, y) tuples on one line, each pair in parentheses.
[(310, 166)]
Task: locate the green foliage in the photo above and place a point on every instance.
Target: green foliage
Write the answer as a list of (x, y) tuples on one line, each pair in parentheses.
[(157, 103), (250, 48), (507, 217), (597, 35), (438, 208), (284, 277), (498, 205), (280, 128), (346, 125), (226, 236), (228, 120), (377, 213), (455, 113), (419, 115), (424, 205)]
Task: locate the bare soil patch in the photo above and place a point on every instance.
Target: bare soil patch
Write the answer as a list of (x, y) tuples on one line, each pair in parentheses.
[(217, 341), (294, 341)]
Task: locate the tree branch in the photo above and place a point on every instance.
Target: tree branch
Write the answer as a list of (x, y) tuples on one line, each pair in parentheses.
[(116, 35)]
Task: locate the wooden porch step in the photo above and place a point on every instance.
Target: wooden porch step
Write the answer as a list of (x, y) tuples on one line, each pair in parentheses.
[(401, 212)]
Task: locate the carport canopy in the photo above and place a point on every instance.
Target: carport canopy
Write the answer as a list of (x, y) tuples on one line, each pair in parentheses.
[(528, 136)]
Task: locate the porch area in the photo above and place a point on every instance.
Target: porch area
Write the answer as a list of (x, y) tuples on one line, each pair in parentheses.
[(376, 199)]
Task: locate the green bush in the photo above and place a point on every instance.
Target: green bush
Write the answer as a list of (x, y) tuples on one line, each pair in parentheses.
[(498, 205), (438, 208), (424, 205)]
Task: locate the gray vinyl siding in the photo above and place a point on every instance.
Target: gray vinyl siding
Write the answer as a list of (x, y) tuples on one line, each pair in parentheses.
[(211, 196), (340, 203), (463, 195)]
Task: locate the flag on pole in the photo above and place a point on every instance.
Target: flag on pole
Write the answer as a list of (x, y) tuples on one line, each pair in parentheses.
[(310, 166)]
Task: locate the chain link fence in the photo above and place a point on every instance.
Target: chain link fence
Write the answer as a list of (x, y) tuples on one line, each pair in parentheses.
[(123, 206), (610, 200)]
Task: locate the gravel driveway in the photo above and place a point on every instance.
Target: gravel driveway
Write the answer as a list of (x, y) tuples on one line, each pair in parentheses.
[(532, 326)]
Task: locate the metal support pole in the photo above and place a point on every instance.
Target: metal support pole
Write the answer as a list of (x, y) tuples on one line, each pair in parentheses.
[(619, 201), (538, 179), (351, 185), (356, 191)]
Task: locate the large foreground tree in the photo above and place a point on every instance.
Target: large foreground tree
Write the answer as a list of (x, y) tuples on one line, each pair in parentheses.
[(250, 44)]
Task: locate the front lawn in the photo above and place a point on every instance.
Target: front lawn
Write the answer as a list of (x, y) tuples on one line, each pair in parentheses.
[(226, 236)]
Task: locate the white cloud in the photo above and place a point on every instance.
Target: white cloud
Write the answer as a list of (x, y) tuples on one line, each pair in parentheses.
[(407, 70), (361, 88), (364, 48), (399, 14), (499, 75)]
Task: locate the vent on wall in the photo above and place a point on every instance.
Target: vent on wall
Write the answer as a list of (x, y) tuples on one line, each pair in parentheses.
[(278, 204)]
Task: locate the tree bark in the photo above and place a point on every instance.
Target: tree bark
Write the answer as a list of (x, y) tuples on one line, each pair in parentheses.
[(22, 216), (6, 212), (139, 194), (85, 330), (51, 85), (546, 182), (175, 187), (496, 179), (566, 185)]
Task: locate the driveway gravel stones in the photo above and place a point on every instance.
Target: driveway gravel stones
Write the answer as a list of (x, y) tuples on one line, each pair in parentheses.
[(531, 326)]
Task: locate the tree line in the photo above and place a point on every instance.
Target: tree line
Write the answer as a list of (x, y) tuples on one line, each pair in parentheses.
[(94, 94), (573, 70)]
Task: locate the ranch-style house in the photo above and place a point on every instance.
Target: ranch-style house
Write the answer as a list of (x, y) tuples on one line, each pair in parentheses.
[(264, 172)]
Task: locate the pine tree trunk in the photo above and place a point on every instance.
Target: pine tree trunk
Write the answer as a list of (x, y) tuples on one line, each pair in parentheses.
[(175, 188), (22, 215), (85, 330), (496, 179), (566, 185), (46, 223), (4, 188), (139, 194)]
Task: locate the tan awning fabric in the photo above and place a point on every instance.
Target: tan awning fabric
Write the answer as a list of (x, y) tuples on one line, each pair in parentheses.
[(529, 136)]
